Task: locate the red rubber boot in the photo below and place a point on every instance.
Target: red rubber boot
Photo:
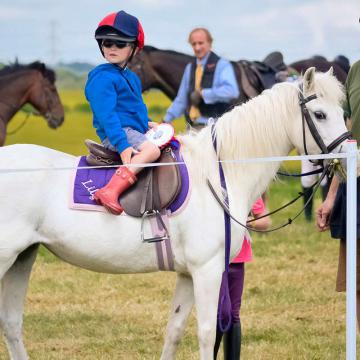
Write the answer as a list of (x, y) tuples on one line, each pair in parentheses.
[(108, 196)]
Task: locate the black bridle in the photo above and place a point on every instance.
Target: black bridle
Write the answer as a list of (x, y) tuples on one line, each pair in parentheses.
[(325, 169), (314, 131)]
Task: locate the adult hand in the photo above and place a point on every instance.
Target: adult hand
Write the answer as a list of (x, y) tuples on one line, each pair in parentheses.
[(323, 215), (195, 98), (126, 155)]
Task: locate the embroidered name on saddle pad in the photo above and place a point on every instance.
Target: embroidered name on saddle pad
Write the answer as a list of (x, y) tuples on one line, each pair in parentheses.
[(86, 181)]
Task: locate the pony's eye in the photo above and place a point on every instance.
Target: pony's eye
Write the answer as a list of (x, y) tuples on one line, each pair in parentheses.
[(320, 115)]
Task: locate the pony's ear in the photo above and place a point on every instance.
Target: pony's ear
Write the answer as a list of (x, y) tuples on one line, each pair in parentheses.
[(330, 71), (309, 79)]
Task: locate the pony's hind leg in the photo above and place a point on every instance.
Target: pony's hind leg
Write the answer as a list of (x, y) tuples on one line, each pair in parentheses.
[(12, 294), (182, 304)]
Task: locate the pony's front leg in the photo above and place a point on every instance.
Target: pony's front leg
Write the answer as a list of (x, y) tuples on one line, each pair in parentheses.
[(181, 306), (206, 290)]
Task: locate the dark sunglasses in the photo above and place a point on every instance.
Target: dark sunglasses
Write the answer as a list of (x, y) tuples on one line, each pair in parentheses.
[(119, 44)]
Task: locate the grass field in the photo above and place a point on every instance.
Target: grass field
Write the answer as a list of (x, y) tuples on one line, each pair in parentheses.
[(290, 309)]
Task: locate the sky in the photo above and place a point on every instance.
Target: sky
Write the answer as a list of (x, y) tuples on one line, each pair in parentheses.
[(63, 30)]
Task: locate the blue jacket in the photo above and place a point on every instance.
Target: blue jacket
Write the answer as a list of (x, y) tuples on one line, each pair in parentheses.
[(116, 101)]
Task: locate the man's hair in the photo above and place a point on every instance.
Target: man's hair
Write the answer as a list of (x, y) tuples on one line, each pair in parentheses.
[(206, 31)]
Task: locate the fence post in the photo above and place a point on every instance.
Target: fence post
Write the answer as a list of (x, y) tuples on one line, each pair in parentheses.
[(351, 239)]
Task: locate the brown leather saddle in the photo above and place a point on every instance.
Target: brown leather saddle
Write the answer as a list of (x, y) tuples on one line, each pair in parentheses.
[(156, 188), (250, 80), (256, 76)]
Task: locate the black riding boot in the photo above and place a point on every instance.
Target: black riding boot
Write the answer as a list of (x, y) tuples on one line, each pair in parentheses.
[(309, 207), (219, 336), (232, 343)]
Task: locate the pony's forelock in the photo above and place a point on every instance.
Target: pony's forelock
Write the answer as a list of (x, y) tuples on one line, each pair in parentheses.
[(327, 86)]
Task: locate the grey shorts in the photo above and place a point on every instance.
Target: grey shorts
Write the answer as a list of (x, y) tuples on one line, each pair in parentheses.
[(134, 138)]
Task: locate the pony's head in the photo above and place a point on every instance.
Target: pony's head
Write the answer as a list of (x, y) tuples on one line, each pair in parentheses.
[(320, 127), (44, 96)]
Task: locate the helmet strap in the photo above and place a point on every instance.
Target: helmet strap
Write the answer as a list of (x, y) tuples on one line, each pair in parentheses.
[(130, 57)]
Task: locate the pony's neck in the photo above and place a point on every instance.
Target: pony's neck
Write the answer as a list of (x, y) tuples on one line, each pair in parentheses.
[(255, 129), (169, 68)]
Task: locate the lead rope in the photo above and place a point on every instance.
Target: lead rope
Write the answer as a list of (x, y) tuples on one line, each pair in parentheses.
[(12, 132), (224, 315)]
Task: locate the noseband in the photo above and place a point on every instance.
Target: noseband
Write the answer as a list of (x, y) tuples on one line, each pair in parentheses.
[(305, 116)]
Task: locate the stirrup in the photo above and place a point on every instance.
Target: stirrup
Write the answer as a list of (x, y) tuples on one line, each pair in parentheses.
[(149, 214)]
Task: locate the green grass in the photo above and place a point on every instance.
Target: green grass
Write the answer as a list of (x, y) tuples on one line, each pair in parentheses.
[(290, 309)]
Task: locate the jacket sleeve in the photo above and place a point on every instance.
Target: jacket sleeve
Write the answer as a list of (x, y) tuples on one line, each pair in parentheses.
[(102, 95)]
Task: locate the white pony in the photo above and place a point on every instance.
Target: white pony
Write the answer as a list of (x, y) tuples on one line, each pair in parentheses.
[(34, 208)]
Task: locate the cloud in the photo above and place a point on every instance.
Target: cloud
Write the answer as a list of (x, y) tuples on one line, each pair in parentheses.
[(157, 3), (11, 13), (241, 29)]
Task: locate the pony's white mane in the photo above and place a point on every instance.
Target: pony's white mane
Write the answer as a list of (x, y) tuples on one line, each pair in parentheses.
[(254, 129), (245, 131)]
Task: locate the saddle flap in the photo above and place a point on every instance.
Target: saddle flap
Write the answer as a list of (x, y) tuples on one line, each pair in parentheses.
[(248, 80), (156, 188)]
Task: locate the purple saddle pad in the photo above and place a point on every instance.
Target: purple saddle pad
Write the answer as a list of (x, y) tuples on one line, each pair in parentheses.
[(88, 180)]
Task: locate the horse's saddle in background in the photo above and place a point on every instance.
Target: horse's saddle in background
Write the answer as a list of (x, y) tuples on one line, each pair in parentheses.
[(256, 76), (156, 187)]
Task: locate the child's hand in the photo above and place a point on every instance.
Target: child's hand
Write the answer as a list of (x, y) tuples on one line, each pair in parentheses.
[(126, 155), (153, 125)]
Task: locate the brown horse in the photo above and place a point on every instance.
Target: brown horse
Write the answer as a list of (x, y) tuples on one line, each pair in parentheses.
[(160, 69), (33, 84), (340, 65), (163, 70)]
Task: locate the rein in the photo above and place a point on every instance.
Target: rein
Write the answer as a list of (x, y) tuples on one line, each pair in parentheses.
[(313, 188), (324, 170), (317, 171), (26, 118), (13, 132)]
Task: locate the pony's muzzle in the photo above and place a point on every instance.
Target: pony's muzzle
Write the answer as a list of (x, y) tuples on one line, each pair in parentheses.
[(54, 122)]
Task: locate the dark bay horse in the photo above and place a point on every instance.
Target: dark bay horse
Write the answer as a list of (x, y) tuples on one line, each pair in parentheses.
[(160, 69), (33, 84), (163, 70), (340, 65)]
